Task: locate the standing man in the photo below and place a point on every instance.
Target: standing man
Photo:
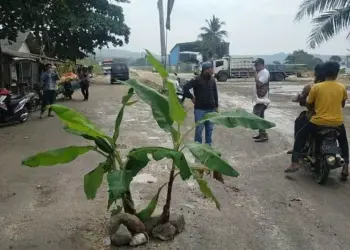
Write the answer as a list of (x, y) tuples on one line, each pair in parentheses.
[(205, 100), (49, 78), (84, 77), (261, 95)]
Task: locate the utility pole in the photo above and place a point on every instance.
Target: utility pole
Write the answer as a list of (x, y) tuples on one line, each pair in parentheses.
[(162, 31)]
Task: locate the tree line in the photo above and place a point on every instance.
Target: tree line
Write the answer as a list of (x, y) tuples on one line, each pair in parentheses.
[(66, 29)]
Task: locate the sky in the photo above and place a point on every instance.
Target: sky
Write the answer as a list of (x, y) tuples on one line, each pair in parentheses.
[(254, 26)]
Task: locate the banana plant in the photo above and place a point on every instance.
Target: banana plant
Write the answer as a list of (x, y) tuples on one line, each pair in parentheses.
[(170, 116), (118, 177)]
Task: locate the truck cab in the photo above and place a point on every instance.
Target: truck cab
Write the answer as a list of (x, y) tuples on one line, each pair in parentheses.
[(220, 68), (233, 67)]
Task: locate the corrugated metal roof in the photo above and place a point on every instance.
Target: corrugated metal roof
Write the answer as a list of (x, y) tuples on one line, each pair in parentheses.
[(15, 46), (14, 53), (23, 55)]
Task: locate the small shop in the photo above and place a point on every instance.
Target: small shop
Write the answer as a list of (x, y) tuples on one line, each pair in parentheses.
[(21, 71)]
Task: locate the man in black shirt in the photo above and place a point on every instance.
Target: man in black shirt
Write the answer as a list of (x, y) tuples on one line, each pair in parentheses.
[(205, 100)]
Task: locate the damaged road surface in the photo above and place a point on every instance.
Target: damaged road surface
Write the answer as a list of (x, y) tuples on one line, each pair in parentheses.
[(45, 208)]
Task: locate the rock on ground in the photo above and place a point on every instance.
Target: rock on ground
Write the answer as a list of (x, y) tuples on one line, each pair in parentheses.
[(121, 237), (139, 239), (133, 223), (164, 231), (178, 221)]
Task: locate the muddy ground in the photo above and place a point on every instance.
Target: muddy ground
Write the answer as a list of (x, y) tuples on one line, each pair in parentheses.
[(46, 208)]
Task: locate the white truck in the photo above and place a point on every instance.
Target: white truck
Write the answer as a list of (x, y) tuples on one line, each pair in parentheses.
[(233, 67)]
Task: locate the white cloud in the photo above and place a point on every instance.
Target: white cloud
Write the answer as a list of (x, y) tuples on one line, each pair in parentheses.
[(254, 26)]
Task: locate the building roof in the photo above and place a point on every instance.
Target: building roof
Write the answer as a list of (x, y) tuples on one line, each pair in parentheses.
[(193, 46), (23, 55), (12, 48), (28, 37), (15, 53), (187, 44), (15, 46)]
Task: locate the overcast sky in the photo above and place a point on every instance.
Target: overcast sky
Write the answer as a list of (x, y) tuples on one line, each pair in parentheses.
[(254, 26)]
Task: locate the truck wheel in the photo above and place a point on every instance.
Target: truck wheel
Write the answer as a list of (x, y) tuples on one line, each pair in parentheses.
[(222, 78), (279, 77), (298, 74)]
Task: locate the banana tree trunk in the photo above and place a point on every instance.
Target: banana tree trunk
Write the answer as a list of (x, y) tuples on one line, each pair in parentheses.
[(128, 203)]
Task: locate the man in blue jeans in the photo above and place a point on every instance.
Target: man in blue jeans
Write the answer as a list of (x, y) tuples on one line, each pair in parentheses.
[(205, 100)]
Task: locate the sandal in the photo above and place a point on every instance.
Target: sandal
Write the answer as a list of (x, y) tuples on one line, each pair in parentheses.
[(291, 170)]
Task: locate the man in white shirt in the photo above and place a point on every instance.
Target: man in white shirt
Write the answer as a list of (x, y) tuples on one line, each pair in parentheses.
[(261, 95)]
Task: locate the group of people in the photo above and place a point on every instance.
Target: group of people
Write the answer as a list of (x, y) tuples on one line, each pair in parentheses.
[(324, 100), (205, 98), (49, 80)]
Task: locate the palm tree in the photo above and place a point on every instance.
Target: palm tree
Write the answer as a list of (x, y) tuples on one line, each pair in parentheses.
[(212, 36), (328, 16)]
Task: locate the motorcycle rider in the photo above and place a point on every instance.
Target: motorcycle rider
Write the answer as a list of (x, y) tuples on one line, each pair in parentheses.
[(327, 100), (305, 115), (49, 79)]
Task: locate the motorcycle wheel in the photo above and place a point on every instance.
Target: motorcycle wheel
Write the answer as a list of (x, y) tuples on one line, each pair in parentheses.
[(322, 171), (31, 106), (25, 118)]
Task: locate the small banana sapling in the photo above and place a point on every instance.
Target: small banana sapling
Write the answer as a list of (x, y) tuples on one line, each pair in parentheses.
[(170, 116)]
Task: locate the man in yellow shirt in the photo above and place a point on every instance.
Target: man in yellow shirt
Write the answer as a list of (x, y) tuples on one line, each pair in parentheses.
[(327, 99)]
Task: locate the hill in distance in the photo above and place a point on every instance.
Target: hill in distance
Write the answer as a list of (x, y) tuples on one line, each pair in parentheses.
[(119, 53)]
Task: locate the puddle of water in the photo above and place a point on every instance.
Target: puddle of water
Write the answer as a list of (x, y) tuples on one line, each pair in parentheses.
[(289, 90), (145, 178)]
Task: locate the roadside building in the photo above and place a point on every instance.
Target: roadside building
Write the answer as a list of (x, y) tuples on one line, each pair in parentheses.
[(22, 62)]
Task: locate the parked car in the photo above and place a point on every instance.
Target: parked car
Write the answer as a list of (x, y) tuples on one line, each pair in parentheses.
[(119, 71)]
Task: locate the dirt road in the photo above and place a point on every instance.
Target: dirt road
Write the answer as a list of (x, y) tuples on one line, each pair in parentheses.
[(262, 209)]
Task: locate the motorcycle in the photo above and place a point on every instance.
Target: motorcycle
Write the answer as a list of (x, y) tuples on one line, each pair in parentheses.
[(13, 108), (35, 99), (179, 89), (322, 153), (67, 90)]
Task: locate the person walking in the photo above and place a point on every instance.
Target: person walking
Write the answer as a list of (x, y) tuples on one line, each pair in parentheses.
[(261, 95), (84, 77), (205, 100), (49, 79)]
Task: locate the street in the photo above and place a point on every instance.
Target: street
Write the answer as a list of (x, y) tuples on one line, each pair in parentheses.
[(45, 208)]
